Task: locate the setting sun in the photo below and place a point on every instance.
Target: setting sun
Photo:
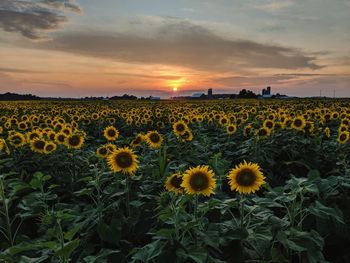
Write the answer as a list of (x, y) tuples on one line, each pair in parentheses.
[(174, 88)]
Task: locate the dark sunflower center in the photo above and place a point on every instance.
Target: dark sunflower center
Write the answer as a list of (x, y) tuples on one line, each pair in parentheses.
[(154, 137), (262, 132), (199, 181), (246, 177), (298, 123), (176, 182), (186, 135), (16, 140), (111, 133), (61, 138), (74, 140), (180, 127), (342, 137), (137, 140), (39, 145), (49, 147), (269, 124), (124, 159), (33, 136), (231, 128), (103, 151), (223, 121)]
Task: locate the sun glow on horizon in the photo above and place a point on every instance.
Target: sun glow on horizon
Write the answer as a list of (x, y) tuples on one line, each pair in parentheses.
[(176, 83)]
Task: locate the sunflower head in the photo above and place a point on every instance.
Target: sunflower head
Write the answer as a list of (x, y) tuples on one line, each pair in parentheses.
[(263, 132), (74, 141), (246, 178), (3, 147), (269, 124), (231, 129), (199, 181), (102, 151), (173, 183), (111, 133), (123, 160), (38, 145), (137, 141), (154, 139), (50, 147), (187, 136), (179, 128), (247, 130), (60, 138), (299, 123), (343, 137), (17, 139)]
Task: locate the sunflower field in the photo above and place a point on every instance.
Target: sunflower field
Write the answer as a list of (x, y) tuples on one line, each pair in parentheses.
[(175, 181)]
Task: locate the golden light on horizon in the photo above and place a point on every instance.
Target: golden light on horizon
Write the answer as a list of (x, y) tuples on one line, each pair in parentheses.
[(176, 83)]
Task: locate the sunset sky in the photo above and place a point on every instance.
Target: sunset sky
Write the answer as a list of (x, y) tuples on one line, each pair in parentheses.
[(151, 47)]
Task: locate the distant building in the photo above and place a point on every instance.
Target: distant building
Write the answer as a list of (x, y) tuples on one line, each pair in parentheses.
[(266, 93), (154, 98), (199, 95), (210, 93)]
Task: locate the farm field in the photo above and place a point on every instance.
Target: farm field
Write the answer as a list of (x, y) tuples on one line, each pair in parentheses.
[(175, 181)]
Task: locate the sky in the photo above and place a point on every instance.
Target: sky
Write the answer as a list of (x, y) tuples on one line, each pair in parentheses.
[(78, 48)]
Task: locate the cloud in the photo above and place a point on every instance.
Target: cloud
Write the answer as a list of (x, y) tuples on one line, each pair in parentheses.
[(273, 5), (30, 18), (17, 70), (181, 43), (63, 4)]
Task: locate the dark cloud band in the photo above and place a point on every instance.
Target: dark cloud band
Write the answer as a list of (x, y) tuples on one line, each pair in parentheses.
[(30, 18)]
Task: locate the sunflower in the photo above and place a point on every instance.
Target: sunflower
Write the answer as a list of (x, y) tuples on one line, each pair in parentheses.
[(74, 141), (123, 160), (33, 135), (17, 139), (154, 139), (231, 129), (343, 137), (263, 132), (111, 133), (187, 136), (102, 151), (246, 178), (50, 147), (137, 141), (199, 181), (3, 147), (327, 132), (60, 138), (173, 183), (179, 128), (38, 145), (22, 126), (111, 147), (299, 123), (248, 129), (269, 124)]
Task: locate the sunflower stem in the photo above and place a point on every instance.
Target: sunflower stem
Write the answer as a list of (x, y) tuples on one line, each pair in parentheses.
[(196, 208), (242, 210), (127, 195)]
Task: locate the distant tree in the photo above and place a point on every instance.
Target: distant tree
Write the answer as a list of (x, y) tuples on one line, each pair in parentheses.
[(247, 94), (15, 96)]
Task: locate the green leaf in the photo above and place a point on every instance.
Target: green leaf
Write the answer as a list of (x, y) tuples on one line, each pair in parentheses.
[(67, 249), (197, 254)]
